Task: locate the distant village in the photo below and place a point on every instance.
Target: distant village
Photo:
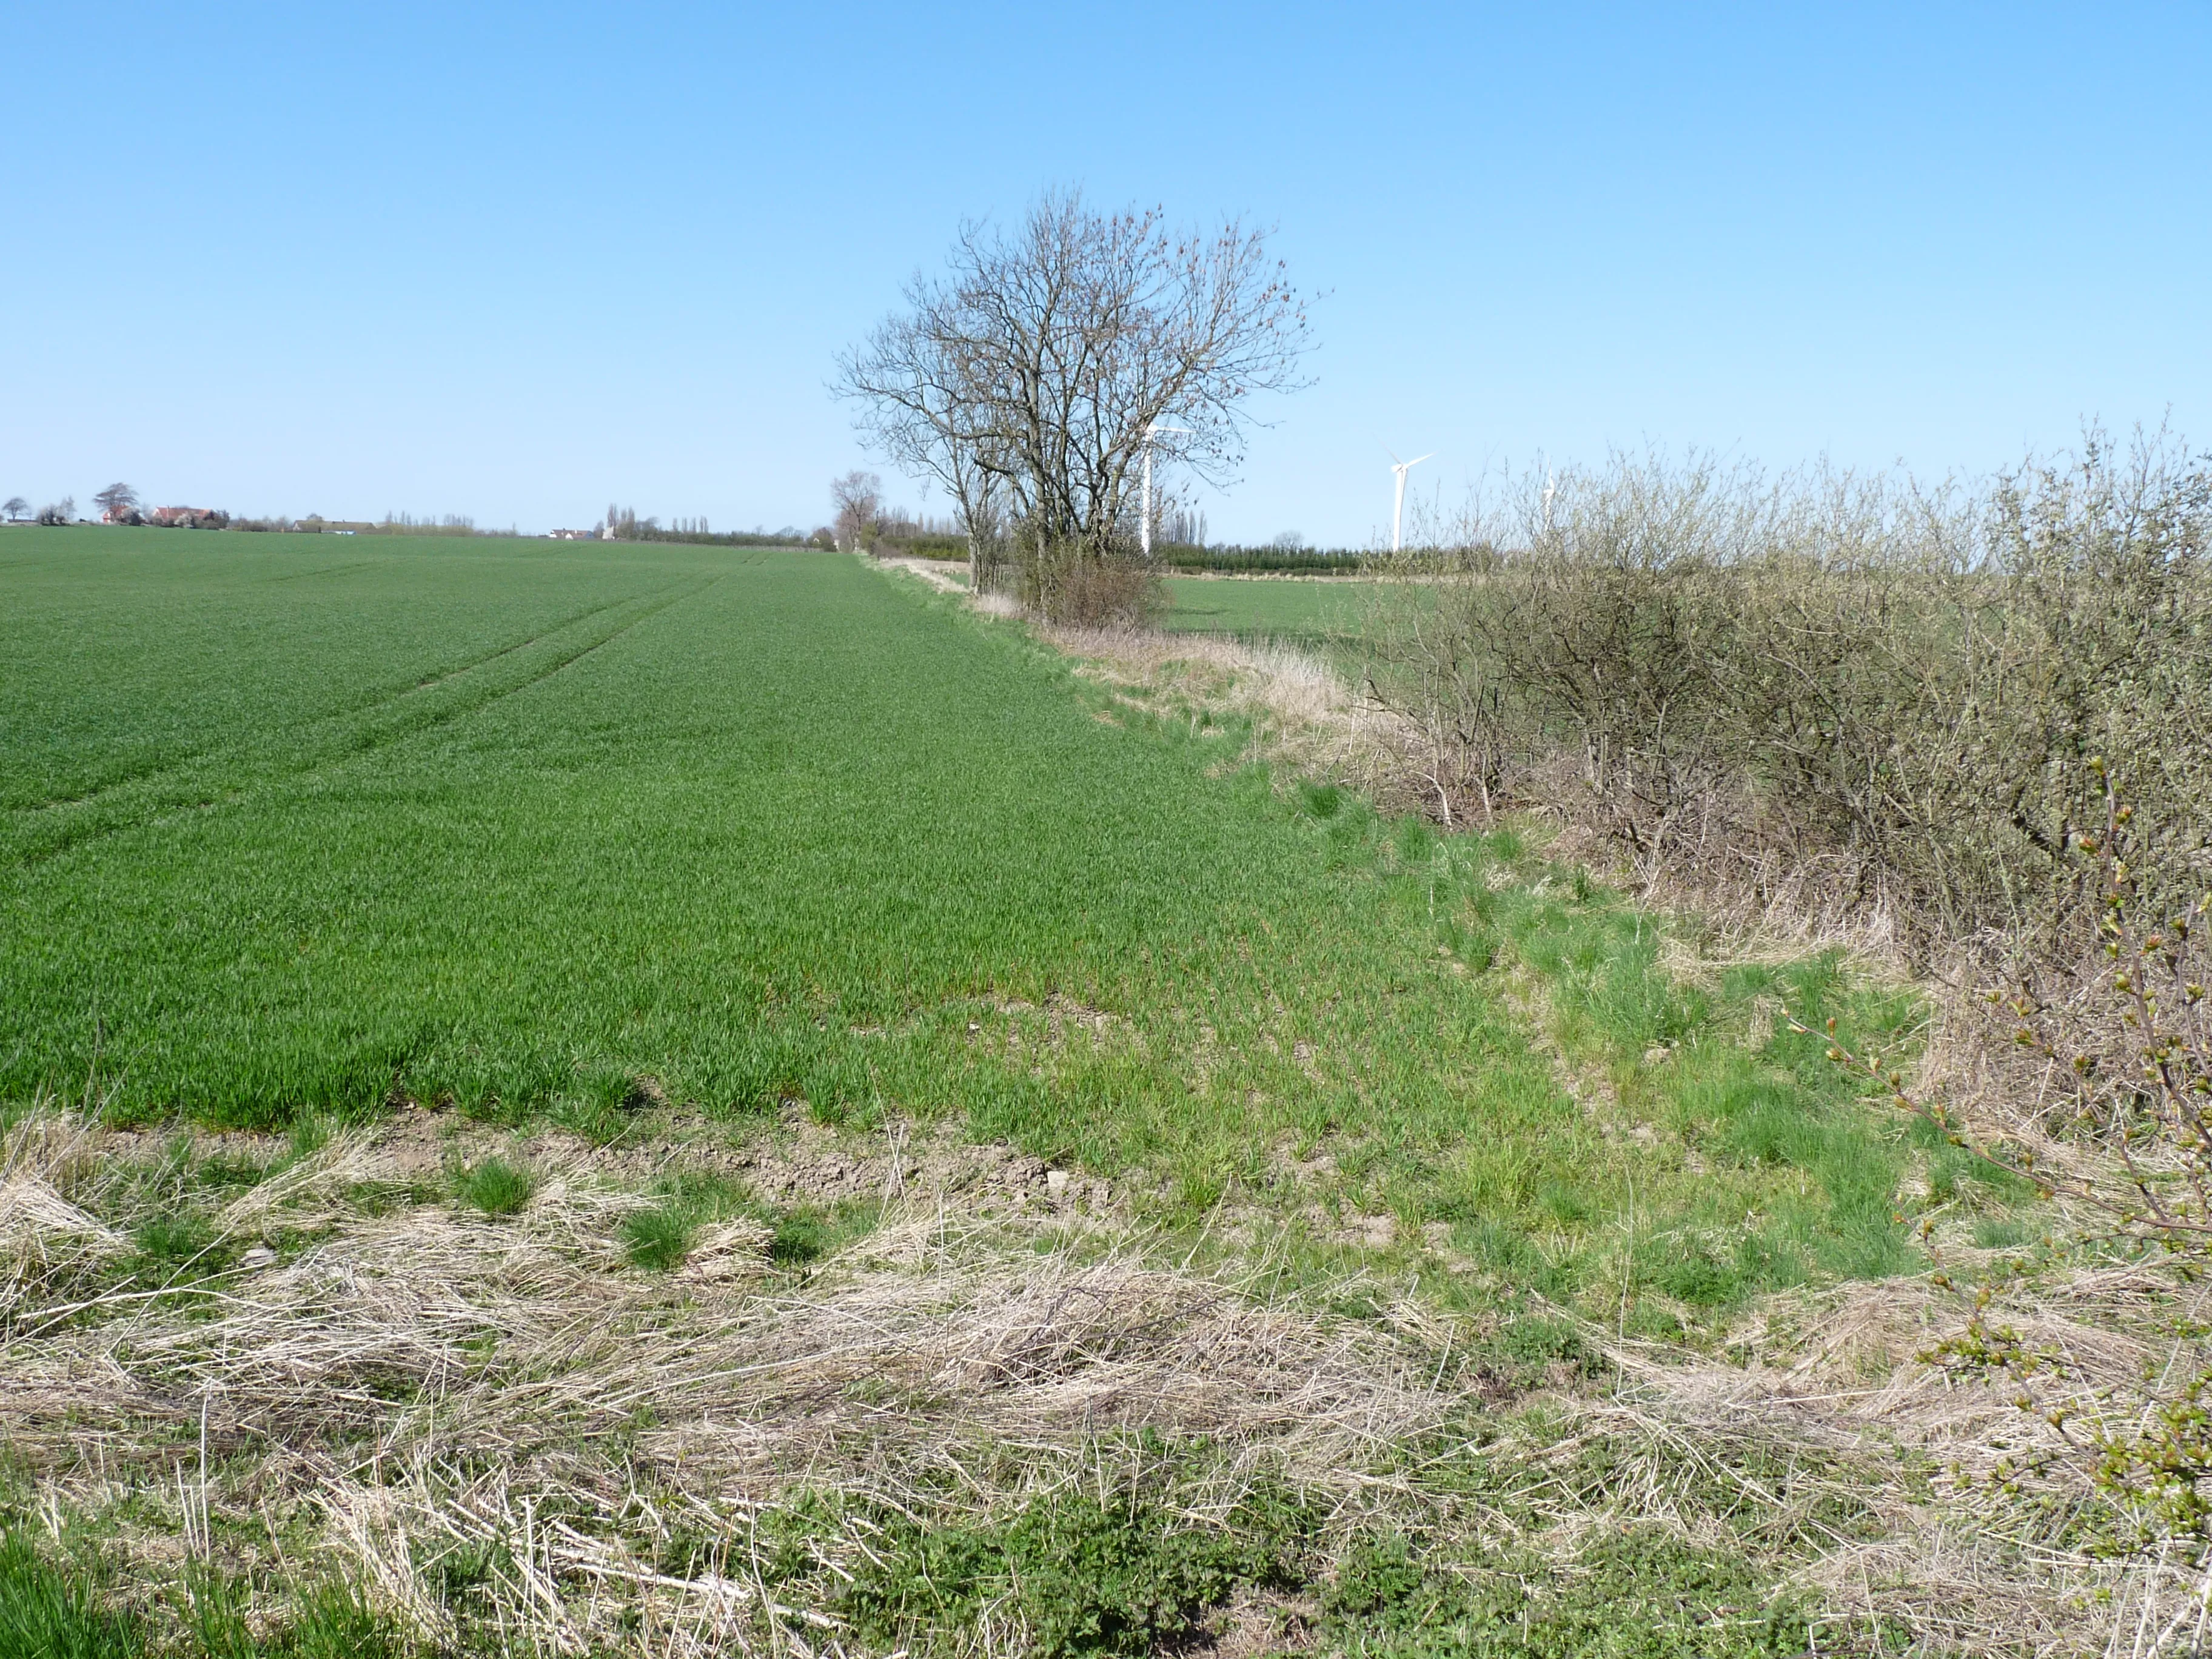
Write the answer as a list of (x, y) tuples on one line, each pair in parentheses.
[(119, 504)]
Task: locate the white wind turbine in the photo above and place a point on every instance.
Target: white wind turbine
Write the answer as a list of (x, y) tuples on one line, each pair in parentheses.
[(1398, 507), (1145, 521)]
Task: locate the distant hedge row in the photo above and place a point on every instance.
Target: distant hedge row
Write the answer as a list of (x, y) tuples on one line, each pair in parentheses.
[(1176, 556), (644, 532), (1259, 558)]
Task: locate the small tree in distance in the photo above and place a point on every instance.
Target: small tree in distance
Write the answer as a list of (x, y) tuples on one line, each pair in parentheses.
[(858, 498), (118, 504), (1033, 378), (16, 508)]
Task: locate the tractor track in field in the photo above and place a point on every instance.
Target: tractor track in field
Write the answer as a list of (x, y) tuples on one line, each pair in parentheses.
[(214, 753), (327, 570), (336, 748)]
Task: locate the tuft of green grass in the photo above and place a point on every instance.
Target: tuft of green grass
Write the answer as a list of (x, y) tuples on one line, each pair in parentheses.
[(659, 1238), (319, 1620), (172, 1241), (495, 1185), (50, 1612), (803, 1236)]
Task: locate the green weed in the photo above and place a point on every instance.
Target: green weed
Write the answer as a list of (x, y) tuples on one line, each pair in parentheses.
[(1085, 1575), (1636, 1594)]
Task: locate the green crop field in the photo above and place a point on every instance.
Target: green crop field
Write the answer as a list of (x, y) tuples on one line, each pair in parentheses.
[(1256, 607), (294, 825)]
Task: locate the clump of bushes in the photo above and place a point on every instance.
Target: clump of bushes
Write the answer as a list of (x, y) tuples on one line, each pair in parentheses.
[(1932, 701), (1081, 587), (1748, 678), (2119, 1061)]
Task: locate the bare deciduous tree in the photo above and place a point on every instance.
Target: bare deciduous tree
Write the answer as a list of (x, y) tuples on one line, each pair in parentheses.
[(858, 498), (1026, 380), (119, 503), (921, 410), (16, 508)]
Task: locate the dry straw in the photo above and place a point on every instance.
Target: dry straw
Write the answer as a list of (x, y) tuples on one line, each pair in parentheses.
[(430, 1385)]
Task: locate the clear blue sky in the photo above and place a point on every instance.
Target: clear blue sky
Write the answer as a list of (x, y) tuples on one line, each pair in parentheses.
[(521, 261)]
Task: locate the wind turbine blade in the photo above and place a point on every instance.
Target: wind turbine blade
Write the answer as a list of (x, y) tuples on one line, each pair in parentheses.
[(1417, 460)]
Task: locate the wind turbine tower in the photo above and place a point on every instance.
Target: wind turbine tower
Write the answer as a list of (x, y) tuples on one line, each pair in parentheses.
[(1398, 507)]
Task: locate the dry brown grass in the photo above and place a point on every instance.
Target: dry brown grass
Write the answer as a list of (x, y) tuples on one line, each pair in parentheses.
[(1954, 1561), (429, 1384), (1304, 719), (429, 1381)]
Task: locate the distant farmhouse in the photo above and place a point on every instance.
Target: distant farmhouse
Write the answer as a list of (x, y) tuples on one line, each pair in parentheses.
[(168, 518)]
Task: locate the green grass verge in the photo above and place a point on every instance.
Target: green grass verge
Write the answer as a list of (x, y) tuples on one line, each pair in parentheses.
[(58, 1609)]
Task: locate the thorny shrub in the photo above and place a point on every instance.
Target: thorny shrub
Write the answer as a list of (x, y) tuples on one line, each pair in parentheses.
[(1076, 587), (1744, 679), (2129, 1049)]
